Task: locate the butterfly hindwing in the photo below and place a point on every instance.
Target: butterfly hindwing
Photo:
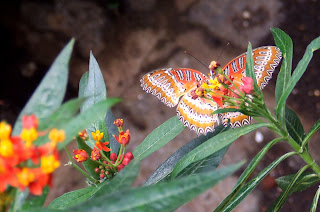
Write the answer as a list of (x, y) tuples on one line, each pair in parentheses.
[(197, 114), (168, 85)]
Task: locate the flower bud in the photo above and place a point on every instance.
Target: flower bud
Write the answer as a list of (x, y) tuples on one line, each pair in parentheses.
[(113, 156), (118, 122), (126, 161), (96, 170), (129, 155), (120, 167)]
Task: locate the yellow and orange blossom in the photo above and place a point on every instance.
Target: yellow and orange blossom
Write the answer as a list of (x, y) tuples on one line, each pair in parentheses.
[(97, 135), (49, 164)]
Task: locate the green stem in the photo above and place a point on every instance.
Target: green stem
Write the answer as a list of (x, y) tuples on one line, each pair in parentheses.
[(79, 169)]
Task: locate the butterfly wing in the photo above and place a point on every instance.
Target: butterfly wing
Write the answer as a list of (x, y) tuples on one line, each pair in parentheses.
[(197, 114), (168, 85), (265, 60)]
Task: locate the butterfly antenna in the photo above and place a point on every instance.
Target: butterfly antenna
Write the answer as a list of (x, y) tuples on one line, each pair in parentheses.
[(222, 51), (196, 59)]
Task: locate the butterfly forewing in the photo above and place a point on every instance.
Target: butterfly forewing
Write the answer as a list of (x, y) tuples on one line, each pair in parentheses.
[(168, 85), (265, 60)]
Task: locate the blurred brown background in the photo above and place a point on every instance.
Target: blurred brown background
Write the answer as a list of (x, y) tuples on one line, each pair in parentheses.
[(131, 38)]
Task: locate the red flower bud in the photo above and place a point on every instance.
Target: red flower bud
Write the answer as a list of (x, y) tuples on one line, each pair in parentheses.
[(96, 170), (113, 156), (126, 161), (95, 154), (120, 167), (118, 122), (129, 155), (102, 176), (80, 155)]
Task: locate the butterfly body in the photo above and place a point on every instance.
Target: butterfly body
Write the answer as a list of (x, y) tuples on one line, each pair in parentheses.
[(174, 86)]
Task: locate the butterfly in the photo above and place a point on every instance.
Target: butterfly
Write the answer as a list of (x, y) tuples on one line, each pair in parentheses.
[(174, 86)]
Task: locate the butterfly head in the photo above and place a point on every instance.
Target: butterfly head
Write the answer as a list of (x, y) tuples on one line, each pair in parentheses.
[(214, 65)]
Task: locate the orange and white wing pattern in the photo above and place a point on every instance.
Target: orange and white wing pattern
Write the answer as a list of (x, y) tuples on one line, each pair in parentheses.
[(197, 114), (168, 85), (265, 60)]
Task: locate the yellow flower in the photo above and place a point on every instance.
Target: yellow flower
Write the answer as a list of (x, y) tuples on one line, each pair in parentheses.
[(6, 148), (215, 84), (5, 130), (49, 164), (25, 176), (97, 136), (57, 136), (29, 135)]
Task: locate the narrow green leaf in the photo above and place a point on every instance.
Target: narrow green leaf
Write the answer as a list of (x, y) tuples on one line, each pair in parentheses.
[(62, 115), (123, 180), (294, 126), (284, 42), (305, 181), (92, 85), (315, 201), (81, 121), (50, 92), (250, 69), (289, 190), (89, 165), (248, 171), (313, 130), (164, 170), (112, 130), (213, 145), (159, 137), (298, 72), (40, 209), (166, 196), (72, 198), (237, 197)]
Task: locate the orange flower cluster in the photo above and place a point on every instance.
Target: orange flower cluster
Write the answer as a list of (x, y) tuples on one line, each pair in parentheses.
[(15, 151), (109, 164)]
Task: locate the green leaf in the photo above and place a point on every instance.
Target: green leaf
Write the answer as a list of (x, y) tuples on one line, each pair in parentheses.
[(236, 197), (166, 196), (313, 130), (164, 170), (72, 198), (297, 74), (284, 42), (67, 111), (81, 121), (315, 201), (159, 137), (213, 145), (294, 126), (50, 92), (89, 165), (122, 180), (277, 205), (40, 209), (250, 69), (304, 181), (36, 201), (92, 85), (112, 130)]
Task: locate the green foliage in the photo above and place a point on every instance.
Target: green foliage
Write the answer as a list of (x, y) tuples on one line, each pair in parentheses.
[(49, 94), (166, 196), (159, 137)]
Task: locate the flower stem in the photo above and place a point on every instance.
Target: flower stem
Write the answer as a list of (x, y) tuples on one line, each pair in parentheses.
[(79, 169)]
